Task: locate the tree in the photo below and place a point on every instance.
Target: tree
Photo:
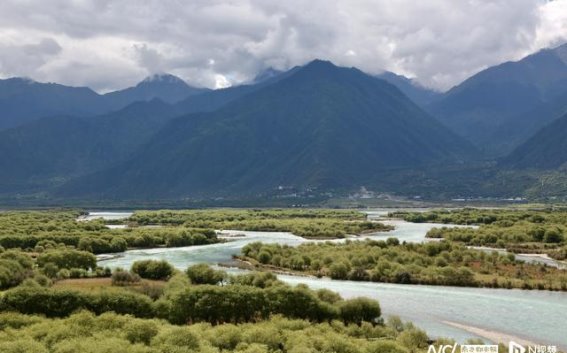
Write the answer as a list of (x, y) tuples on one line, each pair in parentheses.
[(51, 303), (298, 303), (413, 339), (23, 259), (50, 270), (339, 270), (264, 257), (175, 338), (153, 269), (140, 331), (358, 310), (217, 304), (393, 241), (68, 258), (12, 273), (553, 236), (204, 274), (328, 296)]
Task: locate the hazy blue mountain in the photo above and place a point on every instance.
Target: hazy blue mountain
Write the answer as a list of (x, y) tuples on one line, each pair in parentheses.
[(23, 100), (266, 74), (215, 99), (513, 133), (51, 150), (57, 148), (417, 93), (320, 126), (547, 149), (168, 88), (497, 96)]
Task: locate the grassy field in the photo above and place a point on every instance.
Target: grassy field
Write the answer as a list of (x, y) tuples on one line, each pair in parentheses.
[(102, 284)]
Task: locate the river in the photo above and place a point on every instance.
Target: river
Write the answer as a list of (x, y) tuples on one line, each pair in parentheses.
[(460, 313)]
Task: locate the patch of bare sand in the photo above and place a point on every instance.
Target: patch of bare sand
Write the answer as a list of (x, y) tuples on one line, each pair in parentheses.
[(491, 335)]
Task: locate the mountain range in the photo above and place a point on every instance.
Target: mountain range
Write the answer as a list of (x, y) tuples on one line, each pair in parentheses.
[(498, 108), (420, 95), (24, 100), (55, 149), (322, 126), (547, 149), (313, 127)]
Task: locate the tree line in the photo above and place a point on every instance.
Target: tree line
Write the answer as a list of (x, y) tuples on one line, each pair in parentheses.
[(215, 298)]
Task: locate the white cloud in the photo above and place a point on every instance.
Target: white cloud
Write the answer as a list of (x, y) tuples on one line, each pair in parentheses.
[(113, 44), (221, 81)]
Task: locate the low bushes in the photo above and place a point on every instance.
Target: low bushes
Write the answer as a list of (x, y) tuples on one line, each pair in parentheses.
[(68, 258), (61, 303), (247, 298), (86, 333), (153, 269)]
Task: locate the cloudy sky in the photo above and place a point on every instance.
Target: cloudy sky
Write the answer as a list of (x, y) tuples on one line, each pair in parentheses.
[(109, 45)]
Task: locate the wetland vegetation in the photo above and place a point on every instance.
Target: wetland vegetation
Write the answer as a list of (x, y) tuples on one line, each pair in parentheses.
[(307, 223), (389, 261), (56, 298), (201, 310), (518, 231)]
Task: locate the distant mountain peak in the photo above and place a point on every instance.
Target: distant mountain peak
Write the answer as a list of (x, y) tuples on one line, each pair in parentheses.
[(266, 74), (319, 63), (319, 69), (163, 78), (166, 87), (23, 80)]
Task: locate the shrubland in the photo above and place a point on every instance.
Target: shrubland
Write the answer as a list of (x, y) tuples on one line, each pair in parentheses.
[(110, 332), (434, 263), (41, 230), (301, 222), (199, 310), (517, 231), (215, 298)]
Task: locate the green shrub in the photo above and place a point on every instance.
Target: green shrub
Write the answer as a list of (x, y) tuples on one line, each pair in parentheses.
[(153, 269), (51, 303), (12, 273), (140, 331), (23, 345), (204, 274), (68, 258), (358, 310)]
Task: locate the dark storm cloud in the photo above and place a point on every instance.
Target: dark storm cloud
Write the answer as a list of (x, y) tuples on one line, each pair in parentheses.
[(111, 44)]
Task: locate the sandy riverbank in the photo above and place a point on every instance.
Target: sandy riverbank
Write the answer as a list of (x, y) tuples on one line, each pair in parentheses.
[(494, 336)]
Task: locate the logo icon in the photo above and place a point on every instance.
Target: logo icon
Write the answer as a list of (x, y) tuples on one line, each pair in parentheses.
[(514, 347), (443, 349)]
